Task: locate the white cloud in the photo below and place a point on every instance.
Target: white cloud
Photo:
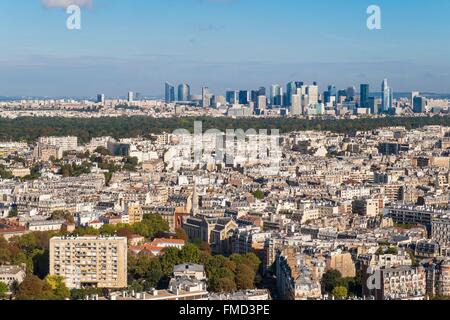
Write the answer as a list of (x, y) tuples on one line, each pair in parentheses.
[(65, 3)]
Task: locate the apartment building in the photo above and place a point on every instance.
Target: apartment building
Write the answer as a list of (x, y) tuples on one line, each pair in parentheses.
[(440, 231), (401, 283), (367, 207), (413, 214), (90, 261), (438, 277), (65, 143), (296, 279), (134, 212)]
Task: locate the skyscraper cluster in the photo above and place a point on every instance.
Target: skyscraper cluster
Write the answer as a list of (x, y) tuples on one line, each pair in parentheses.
[(298, 98)]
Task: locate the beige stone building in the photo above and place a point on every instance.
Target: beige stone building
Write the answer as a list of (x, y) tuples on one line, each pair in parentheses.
[(341, 262), (90, 261), (134, 212)]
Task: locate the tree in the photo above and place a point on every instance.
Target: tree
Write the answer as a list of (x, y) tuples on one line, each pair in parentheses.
[(230, 265), (102, 151), (205, 247), (181, 234), (213, 264), (136, 286), (3, 290), (245, 277), (108, 177), (13, 213), (252, 260), (57, 284), (33, 288), (353, 285), (5, 253), (258, 194), (5, 174), (152, 278), (340, 292), (189, 254), (227, 285), (169, 260), (330, 280), (151, 226)]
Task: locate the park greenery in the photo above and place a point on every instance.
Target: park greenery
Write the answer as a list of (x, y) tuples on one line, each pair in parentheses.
[(31, 128), (225, 274)]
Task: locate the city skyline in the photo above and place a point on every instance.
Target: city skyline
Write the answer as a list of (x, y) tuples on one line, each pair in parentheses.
[(222, 44)]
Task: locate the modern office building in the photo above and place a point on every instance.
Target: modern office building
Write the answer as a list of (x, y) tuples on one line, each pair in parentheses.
[(392, 148), (130, 96), (419, 104), (169, 93), (262, 103), (244, 97), (387, 96), (262, 91), (329, 94), (232, 97), (413, 95), (364, 96), (276, 95), (351, 93), (99, 262), (291, 89), (313, 94), (101, 98), (374, 105), (206, 97), (184, 92), (254, 94), (296, 107), (341, 94), (299, 84)]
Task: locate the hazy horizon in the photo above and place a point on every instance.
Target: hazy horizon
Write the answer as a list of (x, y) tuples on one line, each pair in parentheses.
[(223, 44)]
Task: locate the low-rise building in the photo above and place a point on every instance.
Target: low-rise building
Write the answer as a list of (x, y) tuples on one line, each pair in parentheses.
[(12, 274)]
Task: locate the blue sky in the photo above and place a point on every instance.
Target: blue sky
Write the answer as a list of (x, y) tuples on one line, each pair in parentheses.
[(137, 45)]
